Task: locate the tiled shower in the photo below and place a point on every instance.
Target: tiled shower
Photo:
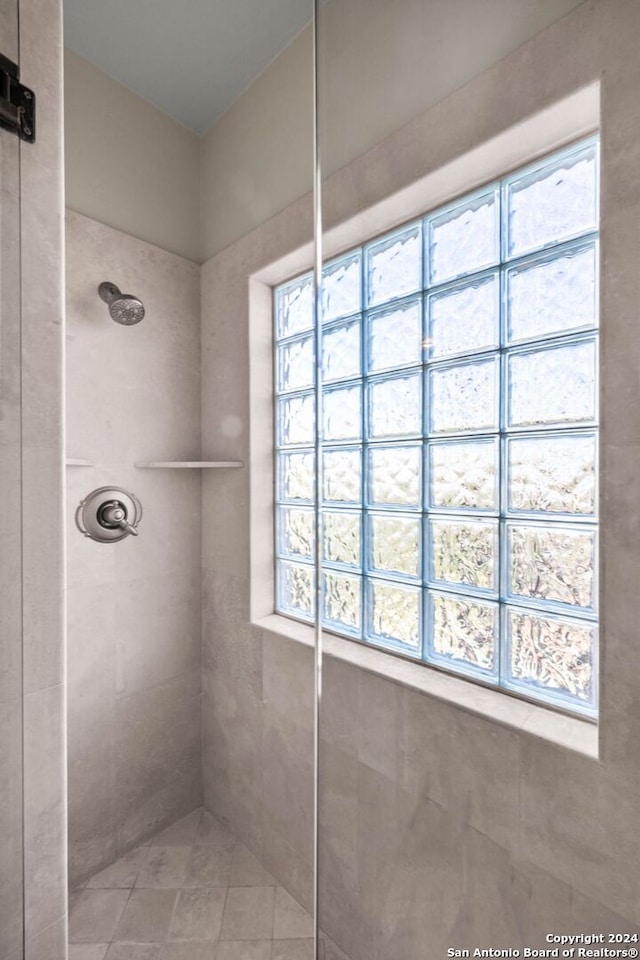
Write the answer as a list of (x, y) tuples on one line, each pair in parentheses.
[(133, 607), (158, 715)]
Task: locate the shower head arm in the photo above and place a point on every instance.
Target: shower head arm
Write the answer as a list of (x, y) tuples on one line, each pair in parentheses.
[(108, 291)]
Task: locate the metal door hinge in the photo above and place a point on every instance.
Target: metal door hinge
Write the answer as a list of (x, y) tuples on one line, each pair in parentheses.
[(17, 102)]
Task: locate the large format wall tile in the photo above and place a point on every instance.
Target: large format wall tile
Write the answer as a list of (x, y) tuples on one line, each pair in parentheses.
[(157, 735), (51, 942), (45, 861), (41, 382), (134, 627), (11, 933), (91, 786)]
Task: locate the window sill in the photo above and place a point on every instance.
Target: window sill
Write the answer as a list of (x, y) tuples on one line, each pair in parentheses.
[(561, 730)]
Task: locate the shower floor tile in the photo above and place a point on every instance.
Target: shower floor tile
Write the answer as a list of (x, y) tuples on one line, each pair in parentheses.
[(193, 892)]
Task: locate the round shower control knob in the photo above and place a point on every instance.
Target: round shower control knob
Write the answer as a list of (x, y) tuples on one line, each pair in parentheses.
[(109, 514)]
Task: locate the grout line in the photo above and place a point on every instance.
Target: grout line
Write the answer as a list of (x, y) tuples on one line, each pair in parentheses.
[(273, 915), (224, 909), (115, 929), (173, 913)]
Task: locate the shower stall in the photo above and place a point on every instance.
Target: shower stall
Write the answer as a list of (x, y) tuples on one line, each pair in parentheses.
[(320, 553)]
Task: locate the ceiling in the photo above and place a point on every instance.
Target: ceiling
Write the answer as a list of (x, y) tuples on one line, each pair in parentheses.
[(190, 58)]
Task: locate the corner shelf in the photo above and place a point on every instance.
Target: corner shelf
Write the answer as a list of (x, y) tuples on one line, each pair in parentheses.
[(189, 464), (75, 462)]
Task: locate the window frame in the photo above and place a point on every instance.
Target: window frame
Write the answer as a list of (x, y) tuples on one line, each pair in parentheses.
[(505, 520), (426, 175)]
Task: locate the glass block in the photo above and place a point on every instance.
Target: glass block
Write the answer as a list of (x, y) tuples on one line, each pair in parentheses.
[(342, 288), (553, 654), (342, 476), (552, 295), (395, 408), (394, 544), (464, 552), (464, 632), (294, 307), (394, 614), (295, 364), (341, 538), (464, 319), (343, 413), (296, 420), (553, 203), (464, 397), (297, 476), (341, 351), (343, 600), (394, 476), (296, 589), (394, 266), (554, 474), (395, 336), (553, 386), (464, 239), (464, 475), (553, 563), (296, 532)]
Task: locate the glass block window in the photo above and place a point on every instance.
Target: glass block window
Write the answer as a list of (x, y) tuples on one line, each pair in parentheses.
[(459, 440)]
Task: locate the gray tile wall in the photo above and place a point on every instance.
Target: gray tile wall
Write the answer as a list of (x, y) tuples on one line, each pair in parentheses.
[(134, 629), (439, 828), (42, 286), (11, 686)]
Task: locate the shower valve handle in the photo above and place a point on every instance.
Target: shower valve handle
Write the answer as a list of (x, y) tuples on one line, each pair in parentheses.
[(109, 514), (113, 514)]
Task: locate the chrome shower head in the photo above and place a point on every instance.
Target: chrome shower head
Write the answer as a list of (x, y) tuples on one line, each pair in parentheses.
[(123, 307)]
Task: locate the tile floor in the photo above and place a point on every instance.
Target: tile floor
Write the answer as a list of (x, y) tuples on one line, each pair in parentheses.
[(193, 892)]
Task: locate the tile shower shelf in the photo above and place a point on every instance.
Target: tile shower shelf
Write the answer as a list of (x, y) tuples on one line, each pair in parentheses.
[(189, 464)]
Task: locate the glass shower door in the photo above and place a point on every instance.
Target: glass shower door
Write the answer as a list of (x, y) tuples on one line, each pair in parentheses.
[(431, 113), (11, 830)]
